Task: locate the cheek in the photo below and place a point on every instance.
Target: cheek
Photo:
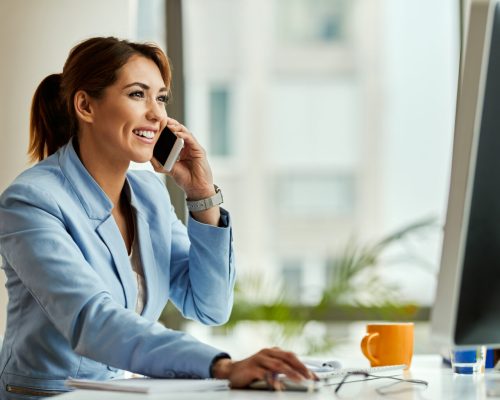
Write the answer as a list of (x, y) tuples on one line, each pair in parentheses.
[(163, 123), (112, 131), (108, 119)]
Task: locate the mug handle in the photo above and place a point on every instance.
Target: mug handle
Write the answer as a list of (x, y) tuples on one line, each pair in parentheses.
[(365, 348)]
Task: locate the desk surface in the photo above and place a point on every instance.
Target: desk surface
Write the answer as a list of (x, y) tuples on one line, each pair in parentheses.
[(443, 385)]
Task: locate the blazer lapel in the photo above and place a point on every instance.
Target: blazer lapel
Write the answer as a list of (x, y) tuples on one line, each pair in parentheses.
[(98, 207), (110, 234)]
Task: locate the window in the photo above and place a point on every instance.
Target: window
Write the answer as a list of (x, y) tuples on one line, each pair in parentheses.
[(151, 21), (315, 196), (312, 21), (328, 122), (219, 122)]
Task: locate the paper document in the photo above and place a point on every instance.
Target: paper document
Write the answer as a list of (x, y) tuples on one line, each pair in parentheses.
[(148, 385)]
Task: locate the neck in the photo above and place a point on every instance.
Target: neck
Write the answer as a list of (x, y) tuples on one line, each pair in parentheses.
[(108, 173)]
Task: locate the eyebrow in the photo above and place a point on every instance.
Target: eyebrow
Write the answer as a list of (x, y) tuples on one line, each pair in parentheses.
[(143, 86)]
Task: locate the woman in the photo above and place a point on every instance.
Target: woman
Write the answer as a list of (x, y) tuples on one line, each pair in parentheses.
[(92, 252)]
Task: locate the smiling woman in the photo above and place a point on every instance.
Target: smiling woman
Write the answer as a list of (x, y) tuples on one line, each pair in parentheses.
[(93, 251), (103, 59), (123, 124)]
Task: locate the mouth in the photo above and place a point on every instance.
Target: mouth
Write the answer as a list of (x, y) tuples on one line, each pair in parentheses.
[(145, 133)]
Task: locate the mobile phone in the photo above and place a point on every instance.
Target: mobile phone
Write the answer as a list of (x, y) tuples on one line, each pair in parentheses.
[(167, 150)]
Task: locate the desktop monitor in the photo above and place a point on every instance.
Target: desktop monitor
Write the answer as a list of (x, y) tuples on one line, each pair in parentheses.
[(467, 306)]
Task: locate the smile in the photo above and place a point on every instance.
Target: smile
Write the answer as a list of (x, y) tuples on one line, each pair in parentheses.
[(146, 134)]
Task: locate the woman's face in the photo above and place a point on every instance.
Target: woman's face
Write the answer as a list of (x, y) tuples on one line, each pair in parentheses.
[(130, 115)]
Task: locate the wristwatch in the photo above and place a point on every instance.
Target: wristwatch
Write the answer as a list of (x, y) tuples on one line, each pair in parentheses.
[(205, 204)]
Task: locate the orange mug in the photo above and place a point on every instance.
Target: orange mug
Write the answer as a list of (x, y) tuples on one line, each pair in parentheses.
[(388, 344)]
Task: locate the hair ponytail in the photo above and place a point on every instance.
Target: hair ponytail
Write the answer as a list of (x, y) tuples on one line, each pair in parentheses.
[(49, 121)]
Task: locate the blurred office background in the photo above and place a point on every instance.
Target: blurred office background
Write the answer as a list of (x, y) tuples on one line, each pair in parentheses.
[(327, 122)]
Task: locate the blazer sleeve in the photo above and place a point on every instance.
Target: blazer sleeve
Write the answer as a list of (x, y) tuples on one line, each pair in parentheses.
[(202, 273), (35, 243)]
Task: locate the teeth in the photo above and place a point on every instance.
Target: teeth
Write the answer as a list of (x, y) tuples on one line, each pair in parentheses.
[(146, 134)]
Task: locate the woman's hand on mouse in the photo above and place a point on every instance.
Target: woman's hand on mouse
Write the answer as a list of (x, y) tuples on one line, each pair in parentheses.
[(264, 365)]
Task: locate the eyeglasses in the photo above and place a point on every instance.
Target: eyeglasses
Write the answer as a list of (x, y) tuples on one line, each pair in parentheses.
[(383, 390)]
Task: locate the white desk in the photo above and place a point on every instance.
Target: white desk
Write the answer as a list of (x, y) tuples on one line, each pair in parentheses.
[(443, 385)]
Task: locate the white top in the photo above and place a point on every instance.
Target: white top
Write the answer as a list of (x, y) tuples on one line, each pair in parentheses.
[(135, 262)]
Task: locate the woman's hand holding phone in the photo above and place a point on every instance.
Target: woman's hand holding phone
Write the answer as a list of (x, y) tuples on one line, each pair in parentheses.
[(192, 172)]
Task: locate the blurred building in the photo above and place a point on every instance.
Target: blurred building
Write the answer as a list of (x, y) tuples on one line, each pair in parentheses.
[(324, 120)]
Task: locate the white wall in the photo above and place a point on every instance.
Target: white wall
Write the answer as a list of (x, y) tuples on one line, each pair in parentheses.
[(35, 38)]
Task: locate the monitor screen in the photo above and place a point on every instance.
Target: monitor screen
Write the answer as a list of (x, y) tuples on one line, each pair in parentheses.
[(467, 307)]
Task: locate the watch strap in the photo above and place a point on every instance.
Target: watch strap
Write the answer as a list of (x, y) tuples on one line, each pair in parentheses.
[(205, 204)]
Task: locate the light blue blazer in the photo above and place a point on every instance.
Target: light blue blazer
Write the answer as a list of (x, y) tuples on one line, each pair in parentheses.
[(72, 292)]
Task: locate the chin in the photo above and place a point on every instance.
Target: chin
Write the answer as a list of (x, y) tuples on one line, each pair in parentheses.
[(142, 158)]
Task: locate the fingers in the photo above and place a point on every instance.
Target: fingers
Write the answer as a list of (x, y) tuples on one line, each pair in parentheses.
[(176, 126), (191, 146), (277, 360), (273, 381), (268, 364), (180, 130), (275, 366), (192, 171), (291, 365)]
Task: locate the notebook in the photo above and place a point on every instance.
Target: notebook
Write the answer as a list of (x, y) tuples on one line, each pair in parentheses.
[(150, 386)]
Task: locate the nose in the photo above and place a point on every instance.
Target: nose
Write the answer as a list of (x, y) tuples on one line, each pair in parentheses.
[(155, 111)]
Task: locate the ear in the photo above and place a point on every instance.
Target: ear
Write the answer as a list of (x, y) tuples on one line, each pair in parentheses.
[(83, 106)]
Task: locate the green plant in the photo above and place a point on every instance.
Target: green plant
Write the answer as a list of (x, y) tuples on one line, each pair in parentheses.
[(355, 291), (355, 272)]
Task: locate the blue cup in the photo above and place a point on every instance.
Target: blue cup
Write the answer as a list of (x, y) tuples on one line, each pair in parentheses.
[(468, 361)]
